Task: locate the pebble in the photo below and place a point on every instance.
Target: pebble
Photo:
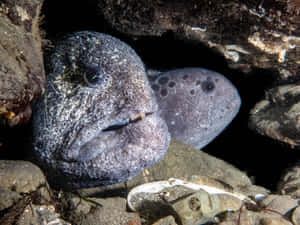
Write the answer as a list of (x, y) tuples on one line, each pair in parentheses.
[(99, 211), (279, 203), (169, 220), (296, 215), (277, 115), (192, 203), (8, 198), (289, 183), (21, 176), (41, 214)]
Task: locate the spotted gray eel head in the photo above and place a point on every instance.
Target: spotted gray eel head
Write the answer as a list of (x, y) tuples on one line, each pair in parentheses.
[(197, 104), (97, 123)]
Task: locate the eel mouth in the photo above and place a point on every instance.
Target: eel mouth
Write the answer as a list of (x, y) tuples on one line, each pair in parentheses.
[(90, 143), (132, 119)]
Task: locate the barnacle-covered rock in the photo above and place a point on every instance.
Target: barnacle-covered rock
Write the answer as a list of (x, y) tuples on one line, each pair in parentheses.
[(22, 77), (249, 34), (278, 115)]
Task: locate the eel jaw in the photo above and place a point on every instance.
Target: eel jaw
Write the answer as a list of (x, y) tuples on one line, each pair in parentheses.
[(88, 144), (132, 119)]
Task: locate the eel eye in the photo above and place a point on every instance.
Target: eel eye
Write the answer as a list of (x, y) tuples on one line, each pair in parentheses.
[(93, 76)]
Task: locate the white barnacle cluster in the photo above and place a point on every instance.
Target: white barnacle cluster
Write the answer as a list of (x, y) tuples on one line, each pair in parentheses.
[(276, 43)]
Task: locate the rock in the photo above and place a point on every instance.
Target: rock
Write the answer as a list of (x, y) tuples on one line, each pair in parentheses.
[(174, 165), (279, 203), (8, 198), (22, 77), (22, 184), (103, 215), (272, 210), (171, 190), (99, 211), (289, 183), (169, 220), (110, 216), (40, 214), (269, 36), (201, 207), (277, 116), (83, 206), (273, 221), (253, 191), (21, 176), (190, 203), (296, 215)]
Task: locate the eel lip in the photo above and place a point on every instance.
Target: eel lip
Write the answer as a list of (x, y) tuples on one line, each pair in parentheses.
[(132, 119), (85, 148)]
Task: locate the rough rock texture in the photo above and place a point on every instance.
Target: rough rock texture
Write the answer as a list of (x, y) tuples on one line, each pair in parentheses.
[(97, 211), (274, 210), (8, 198), (22, 77), (248, 34), (169, 220), (40, 214), (21, 176), (278, 115), (175, 165), (21, 184), (289, 183)]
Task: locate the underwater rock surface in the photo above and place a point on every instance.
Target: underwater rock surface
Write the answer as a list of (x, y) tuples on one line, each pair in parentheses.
[(22, 76), (197, 104), (249, 34), (97, 123), (277, 115)]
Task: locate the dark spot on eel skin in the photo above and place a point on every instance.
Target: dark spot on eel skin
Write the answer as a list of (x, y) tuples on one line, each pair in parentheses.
[(208, 86), (90, 125), (185, 77), (171, 84), (164, 92), (155, 87), (192, 92), (163, 80), (198, 82)]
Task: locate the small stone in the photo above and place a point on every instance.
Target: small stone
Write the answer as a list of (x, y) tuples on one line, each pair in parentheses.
[(83, 206), (40, 214), (279, 203), (274, 221), (100, 211), (289, 183), (202, 207), (296, 215), (110, 216), (277, 116), (169, 220), (21, 176), (8, 198)]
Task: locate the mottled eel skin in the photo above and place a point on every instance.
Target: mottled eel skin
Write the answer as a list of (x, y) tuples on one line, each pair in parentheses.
[(97, 123), (197, 104)]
